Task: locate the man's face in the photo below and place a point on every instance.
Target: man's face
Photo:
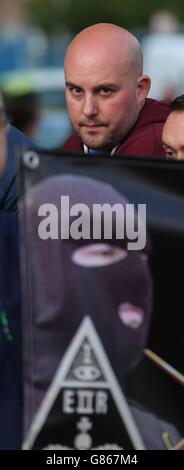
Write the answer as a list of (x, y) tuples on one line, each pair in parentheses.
[(173, 135), (2, 138), (102, 100)]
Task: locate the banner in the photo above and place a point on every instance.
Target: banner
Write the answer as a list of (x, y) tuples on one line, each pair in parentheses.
[(103, 245)]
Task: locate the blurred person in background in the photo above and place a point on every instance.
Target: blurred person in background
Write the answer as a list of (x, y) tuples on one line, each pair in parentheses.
[(22, 45), (163, 22), (106, 94), (173, 131), (15, 140), (23, 112), (163, 50)]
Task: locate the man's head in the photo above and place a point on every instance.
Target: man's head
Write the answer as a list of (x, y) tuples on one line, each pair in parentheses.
[(173, 131), (2, 137), (105, 87)]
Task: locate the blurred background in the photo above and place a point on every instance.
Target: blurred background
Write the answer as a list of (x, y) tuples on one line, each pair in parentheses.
[(34, 35)]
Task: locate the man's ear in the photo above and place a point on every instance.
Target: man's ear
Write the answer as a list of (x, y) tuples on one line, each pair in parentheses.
[(143, 87)]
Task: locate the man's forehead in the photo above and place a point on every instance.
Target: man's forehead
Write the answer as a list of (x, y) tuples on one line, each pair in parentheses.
[(174, 122), (94, 68), (173, 131), (96, 54)]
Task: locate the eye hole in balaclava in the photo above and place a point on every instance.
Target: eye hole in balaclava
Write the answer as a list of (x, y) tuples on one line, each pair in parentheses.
[(98, 254)]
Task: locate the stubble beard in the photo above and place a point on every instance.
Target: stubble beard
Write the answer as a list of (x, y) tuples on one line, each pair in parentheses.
[(110, 138), (95, 139)]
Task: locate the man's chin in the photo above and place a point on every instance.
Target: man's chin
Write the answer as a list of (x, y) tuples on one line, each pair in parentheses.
[(93, 141)]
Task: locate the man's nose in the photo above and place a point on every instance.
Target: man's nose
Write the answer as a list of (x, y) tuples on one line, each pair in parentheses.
[(90, 107)]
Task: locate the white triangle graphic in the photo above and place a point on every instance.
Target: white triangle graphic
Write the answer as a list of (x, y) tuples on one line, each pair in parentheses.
[(68, 376)]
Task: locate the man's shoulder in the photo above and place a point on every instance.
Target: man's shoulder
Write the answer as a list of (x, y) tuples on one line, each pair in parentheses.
[(154, 110), (15, 137), (16, 140), (145, 137), (73, 143)]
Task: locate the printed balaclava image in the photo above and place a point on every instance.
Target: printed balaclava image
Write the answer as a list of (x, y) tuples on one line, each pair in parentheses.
[(70, 279)]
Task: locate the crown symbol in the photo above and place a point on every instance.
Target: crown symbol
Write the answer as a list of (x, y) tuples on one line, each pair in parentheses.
[(87, 370)]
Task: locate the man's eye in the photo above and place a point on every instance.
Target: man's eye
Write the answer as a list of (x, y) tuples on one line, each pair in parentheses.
[(105, 91), (170, 154), (76, 91)]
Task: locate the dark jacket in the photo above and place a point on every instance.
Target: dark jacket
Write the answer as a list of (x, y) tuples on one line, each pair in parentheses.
[(10, 335), (8, 190), (145, 137)]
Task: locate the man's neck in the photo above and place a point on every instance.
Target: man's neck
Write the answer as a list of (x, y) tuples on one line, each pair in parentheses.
[(110, 152)]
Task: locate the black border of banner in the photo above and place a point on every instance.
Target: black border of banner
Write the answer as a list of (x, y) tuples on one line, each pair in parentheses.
[(46, 458)]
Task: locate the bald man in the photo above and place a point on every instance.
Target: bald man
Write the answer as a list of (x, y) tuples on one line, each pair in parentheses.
[(106, 94)]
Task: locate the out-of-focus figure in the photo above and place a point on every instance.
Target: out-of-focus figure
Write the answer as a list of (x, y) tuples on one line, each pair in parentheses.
[(163, 51), (22, 45), (44, 117), (11, 140), (163, 22), (24, 112)]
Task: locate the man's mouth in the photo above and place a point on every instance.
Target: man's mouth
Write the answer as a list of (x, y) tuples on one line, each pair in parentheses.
[(92, 125)]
